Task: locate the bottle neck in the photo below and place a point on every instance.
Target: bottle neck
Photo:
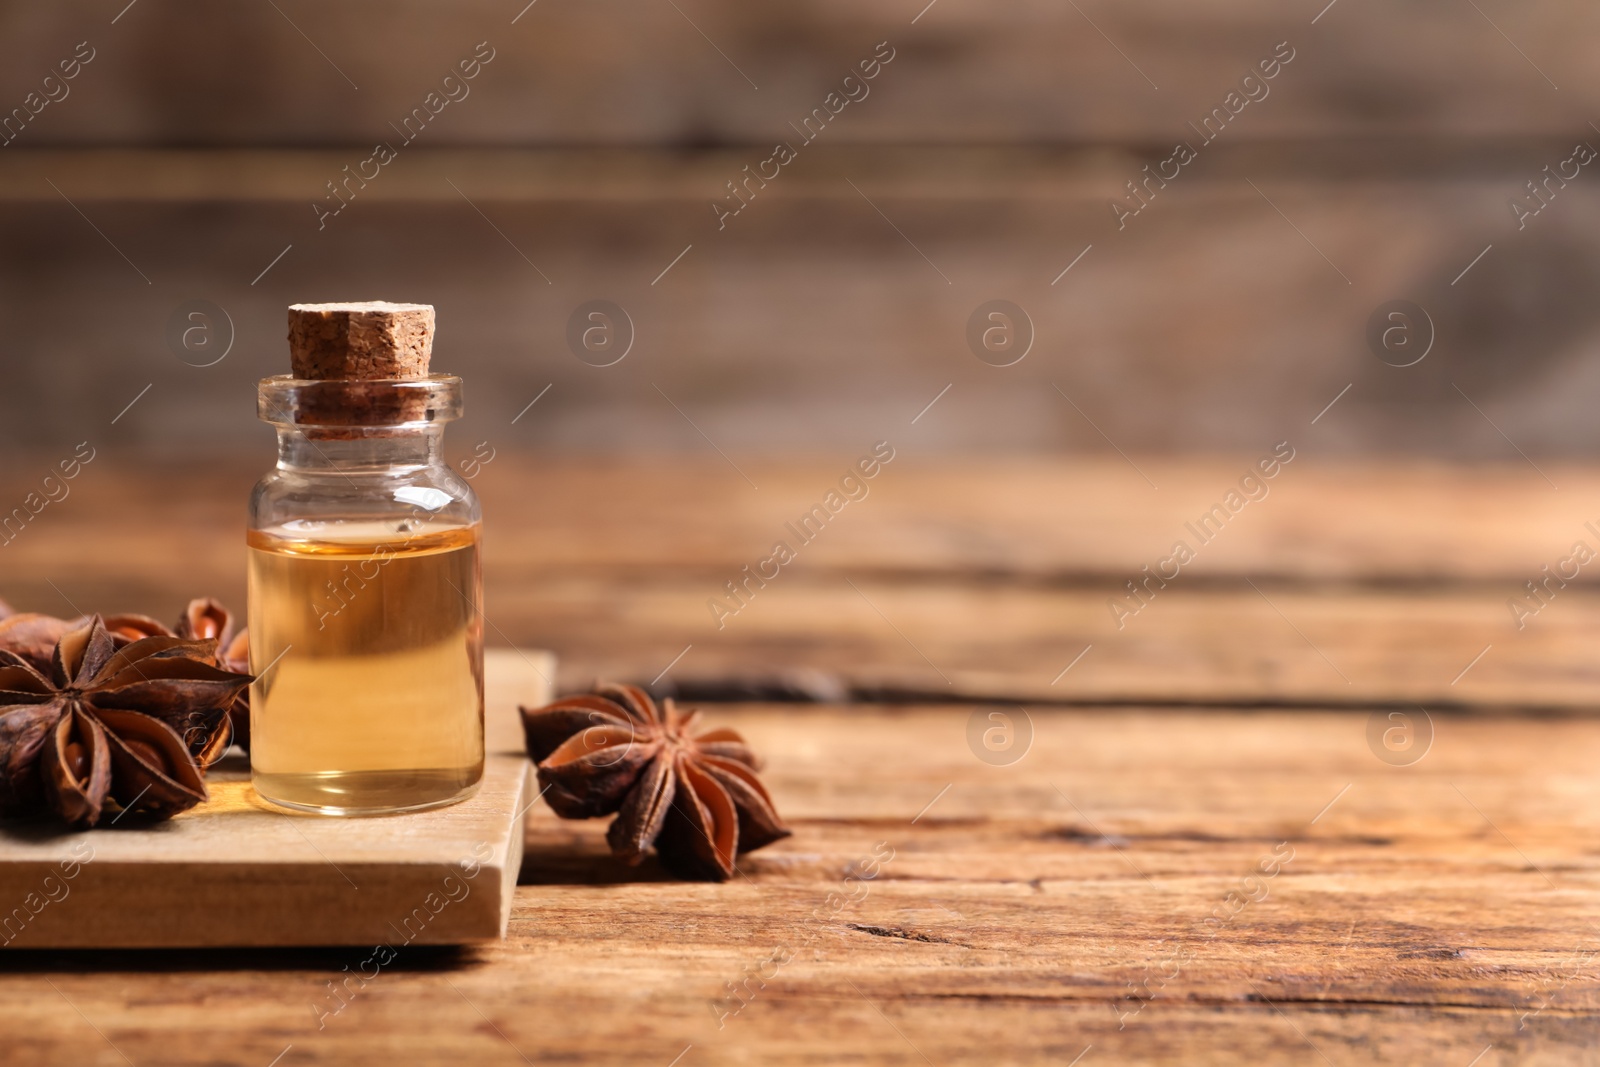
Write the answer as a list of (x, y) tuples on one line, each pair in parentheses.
[(395, 449)]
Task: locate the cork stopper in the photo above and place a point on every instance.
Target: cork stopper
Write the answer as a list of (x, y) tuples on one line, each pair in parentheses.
[(359, 369), (363, 341)]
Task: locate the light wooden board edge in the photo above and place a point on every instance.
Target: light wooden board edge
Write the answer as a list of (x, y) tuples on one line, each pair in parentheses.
[(95, 890)]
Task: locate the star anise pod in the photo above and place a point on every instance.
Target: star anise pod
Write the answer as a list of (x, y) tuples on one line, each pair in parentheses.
[(33, 637), (206, 619), (112, 729), (695, 798)]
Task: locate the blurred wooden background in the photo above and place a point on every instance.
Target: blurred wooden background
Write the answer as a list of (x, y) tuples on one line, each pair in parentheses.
[(184, 161)]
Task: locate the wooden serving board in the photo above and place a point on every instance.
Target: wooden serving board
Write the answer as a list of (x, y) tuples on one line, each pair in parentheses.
[(234, 872)]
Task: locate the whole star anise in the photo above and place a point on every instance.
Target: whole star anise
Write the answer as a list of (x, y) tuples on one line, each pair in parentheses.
[(112, 729), (695, 798), (34, 638)]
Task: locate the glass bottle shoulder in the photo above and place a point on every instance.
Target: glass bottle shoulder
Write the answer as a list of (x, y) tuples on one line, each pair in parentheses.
[(369, 504)]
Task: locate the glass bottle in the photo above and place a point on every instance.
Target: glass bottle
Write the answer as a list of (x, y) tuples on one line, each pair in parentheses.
[(365, 588)]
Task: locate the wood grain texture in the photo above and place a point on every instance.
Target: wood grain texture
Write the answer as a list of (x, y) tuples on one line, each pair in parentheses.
[(233, 872), (1027, 911), (964, 174), (590, 152), (809, 324), (1421, 914), (975, 580), (715, 71), (1048, 522), (1365, 912)]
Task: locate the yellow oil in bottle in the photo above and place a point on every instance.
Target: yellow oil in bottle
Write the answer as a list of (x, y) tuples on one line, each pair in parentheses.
[(367, 643)]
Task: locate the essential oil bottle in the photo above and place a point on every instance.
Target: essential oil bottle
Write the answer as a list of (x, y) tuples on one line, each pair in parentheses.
[(366, 633)]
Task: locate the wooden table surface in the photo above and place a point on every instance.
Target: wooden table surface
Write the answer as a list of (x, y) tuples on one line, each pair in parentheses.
[(1191, 852)]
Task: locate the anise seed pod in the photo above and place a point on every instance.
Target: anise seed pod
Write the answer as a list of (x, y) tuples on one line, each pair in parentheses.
[(112, 729), (128, 627), (696, 799), (206, 619), (33, 637)]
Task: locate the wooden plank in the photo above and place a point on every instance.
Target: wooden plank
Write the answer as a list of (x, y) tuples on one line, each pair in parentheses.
[(1050, 521), (1230, 330), (614, 73), (1039, 521), (1373, 583), (1047, 174), (233, 872), (1028, 910), (965, 641), (972, 641)]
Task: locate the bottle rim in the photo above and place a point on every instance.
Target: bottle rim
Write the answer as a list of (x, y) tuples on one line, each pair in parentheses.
[(388, 403)]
